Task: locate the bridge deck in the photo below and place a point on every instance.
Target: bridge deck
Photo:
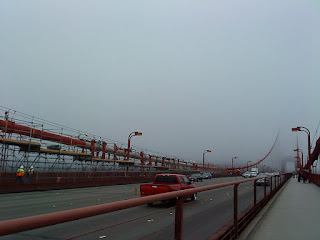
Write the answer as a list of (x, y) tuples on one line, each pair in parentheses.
[(294, 214)]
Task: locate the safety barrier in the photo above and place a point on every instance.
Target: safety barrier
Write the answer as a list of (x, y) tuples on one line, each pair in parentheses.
[(61, 180), (229, 231), (232, 229), (315, 178)]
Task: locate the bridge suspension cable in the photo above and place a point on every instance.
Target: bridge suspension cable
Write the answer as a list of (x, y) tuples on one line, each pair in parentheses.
[(258, 162)]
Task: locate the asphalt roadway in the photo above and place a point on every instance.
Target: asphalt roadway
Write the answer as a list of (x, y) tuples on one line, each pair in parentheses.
[(202, 218)]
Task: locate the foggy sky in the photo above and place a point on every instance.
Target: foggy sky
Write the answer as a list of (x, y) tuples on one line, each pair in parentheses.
[(191, 75)]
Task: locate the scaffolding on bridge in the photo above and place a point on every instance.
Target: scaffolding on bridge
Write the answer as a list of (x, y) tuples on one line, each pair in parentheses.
[(30, 141)]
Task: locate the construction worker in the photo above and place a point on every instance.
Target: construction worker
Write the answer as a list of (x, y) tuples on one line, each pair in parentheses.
[(31, 174), (20, 174)]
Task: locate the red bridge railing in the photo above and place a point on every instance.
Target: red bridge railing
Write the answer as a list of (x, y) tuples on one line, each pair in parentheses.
[(314, 178)]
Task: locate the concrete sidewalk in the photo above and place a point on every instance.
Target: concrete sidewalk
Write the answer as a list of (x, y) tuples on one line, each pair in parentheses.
[(294, 213)]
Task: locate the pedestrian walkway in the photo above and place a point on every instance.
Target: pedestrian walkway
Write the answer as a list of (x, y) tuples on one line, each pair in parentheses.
[(293, 214)]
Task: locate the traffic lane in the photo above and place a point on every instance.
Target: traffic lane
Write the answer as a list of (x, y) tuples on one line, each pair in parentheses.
[(206, 182), (17, 205), (34, 203), (212, 203), (201, 218), (207, 215)]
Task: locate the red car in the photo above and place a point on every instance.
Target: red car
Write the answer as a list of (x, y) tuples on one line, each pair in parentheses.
[(163, 183)]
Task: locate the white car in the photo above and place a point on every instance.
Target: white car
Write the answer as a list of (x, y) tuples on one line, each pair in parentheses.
[(247, 175)]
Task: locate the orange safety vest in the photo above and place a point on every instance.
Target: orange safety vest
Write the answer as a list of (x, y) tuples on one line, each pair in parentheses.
[(31, 171), (20, 172)]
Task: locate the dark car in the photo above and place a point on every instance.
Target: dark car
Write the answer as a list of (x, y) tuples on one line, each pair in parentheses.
[(206, 175), (263, 181), (196, 177)]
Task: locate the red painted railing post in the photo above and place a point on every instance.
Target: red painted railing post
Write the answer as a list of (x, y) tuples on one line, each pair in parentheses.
[(178, 231), (235, 209), (279, 181), (255, 193), (264, 191)]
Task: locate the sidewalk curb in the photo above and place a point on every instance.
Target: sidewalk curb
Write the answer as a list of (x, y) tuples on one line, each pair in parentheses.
[(249, 232)]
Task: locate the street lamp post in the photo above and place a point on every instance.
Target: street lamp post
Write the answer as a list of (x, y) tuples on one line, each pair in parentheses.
[(129, 138), (232, 161), (205, 151), (297, 163), (306, 130), (248, 165)]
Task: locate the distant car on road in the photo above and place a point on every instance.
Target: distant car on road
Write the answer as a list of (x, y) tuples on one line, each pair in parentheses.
[(247, 175), (263, 181), (206, 175), (196, 177)]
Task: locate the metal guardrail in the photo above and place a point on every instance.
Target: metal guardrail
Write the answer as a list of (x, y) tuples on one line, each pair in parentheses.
[(314, 178), (74, 176), (43, 180), (230, 231), (233, 228)]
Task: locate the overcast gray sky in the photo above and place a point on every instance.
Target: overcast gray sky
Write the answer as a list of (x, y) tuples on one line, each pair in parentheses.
[(191, 75)]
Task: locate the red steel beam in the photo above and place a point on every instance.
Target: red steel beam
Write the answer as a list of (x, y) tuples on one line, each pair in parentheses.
[(12, 127)]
